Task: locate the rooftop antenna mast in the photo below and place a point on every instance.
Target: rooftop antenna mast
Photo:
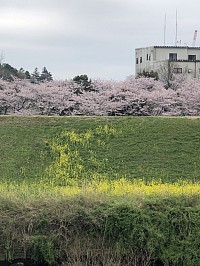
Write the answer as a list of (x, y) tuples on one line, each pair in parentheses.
[(176, 30), (194, 38), (165, 28)]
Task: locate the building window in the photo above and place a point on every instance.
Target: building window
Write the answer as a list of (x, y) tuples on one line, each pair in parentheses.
[(191, 57), (177, 70), (140, 59), (172, 56), (137, 61), (148, 57)]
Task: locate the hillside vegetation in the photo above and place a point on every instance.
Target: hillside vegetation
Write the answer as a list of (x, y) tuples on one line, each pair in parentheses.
[(100, 190)]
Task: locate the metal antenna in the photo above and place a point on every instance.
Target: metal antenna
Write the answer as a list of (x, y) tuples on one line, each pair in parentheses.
[(165, 28), (176, 29)]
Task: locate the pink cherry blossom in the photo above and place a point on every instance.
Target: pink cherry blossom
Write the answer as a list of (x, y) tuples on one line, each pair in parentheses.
[(142, 96)]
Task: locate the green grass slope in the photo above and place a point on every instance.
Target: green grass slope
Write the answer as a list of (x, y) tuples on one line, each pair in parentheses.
[(166, 148)]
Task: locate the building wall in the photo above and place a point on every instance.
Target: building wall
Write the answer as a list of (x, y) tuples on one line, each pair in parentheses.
[(141, 56), (154, 57), (189, 69), (163, 53)]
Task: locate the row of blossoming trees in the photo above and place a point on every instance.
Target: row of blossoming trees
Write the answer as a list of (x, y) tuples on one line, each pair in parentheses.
[(142, 96)]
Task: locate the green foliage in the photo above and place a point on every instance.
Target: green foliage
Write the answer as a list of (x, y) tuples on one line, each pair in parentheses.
[(45, 75), (149, 74), (42, 249), (142, 231), (84, 82), (35, 75), (21, 74), (132, 229), (7, 72), (27, 75), (163, 232)]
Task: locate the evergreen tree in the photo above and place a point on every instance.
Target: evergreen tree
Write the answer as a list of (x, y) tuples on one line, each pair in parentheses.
[(28, 75), (84, 81), (8, 72), (35, 75), (21, 73), (46, 75)]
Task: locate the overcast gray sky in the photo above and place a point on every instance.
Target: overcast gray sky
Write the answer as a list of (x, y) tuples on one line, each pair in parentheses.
[(93, 37)]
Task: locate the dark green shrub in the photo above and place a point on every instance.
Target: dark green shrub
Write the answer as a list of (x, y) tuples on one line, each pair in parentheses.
[(42, 249)]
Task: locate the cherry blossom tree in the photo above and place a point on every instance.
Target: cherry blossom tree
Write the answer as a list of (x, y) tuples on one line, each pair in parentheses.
[(141, 97)]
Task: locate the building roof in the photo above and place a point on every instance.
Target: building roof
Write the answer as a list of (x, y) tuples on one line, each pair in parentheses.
[(178, 47), (170, 46)]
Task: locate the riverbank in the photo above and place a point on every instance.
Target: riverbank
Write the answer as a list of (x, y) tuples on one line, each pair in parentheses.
[(101, 228)]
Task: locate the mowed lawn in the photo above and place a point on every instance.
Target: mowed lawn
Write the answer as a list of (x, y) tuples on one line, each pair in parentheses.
[(166, 148)]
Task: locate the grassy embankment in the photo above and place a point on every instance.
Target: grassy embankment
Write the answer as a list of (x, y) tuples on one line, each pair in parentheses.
[(144, 209)]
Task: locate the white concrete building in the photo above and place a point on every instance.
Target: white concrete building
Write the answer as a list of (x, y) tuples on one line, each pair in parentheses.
[(182, 59)]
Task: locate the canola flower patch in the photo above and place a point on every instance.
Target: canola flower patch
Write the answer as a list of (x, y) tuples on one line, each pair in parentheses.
[(99, 189)]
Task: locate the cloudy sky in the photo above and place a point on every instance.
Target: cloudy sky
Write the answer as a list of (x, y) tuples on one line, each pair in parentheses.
[(93, 37)]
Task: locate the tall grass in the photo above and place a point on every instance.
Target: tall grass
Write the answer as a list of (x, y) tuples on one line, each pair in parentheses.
[(118, 222)]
